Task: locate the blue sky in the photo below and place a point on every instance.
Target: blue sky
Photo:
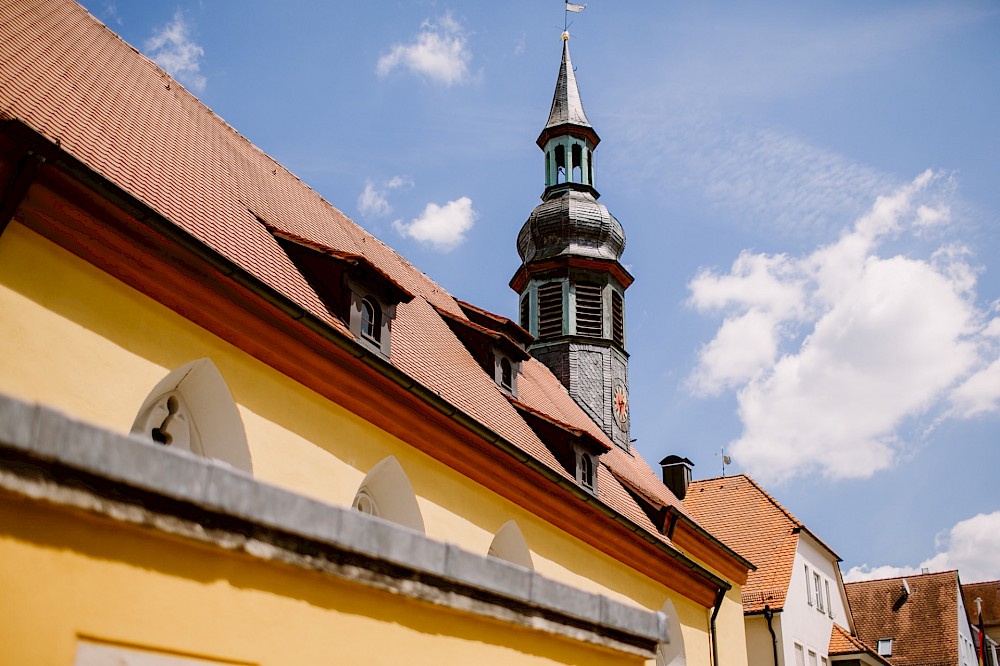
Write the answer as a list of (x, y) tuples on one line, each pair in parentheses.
[(811, 194)]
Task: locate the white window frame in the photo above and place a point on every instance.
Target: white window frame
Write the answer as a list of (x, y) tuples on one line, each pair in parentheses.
[(818, 590), (887, 642), (809, 595)]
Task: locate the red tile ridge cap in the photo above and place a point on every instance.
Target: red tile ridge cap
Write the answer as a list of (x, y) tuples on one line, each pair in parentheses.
[(916, 575), (791, 517)]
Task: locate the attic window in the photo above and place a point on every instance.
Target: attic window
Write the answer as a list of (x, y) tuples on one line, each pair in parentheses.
[(618, 319), (884, 647), (589, 311), (585, 471), (550, 310), (371, 320), (506, 374)]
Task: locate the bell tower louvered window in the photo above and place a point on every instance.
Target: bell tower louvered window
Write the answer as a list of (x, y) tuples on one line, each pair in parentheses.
[(526, 312), (550, 310), (618, 319), (589, 310)]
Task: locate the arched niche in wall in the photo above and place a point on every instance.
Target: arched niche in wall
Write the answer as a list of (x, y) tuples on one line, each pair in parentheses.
[(192, 409), (672, 653), (387, 493), (509, 545)]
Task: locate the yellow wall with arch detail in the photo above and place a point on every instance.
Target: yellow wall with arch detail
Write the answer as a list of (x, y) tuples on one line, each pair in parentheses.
[(121, 584), (83, 342)]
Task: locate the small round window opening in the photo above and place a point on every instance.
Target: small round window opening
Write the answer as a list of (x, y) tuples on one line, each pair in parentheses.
[(371, 320)]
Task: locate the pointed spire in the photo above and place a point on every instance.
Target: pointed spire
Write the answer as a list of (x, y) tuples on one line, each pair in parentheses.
[(567, 108)]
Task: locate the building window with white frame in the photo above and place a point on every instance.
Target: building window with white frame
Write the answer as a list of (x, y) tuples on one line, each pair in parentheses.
[(812, 659), (809, 597), (800, 655), (818, 590), (884, 647), (829, 604)]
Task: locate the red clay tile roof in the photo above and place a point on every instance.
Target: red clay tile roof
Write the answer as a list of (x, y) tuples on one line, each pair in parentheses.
[(751, 522), (989, 592), (842, 644), (923, 627), (77, 84)]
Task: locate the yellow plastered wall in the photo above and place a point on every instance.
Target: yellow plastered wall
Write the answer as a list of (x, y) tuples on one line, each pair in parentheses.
[(83, 342), (67, 575)]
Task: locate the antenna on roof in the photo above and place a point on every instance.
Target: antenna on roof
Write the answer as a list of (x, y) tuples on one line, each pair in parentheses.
[(726, 460)]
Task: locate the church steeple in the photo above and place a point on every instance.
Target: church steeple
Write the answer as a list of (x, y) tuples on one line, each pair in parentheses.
[(571, 284), (568, 139)]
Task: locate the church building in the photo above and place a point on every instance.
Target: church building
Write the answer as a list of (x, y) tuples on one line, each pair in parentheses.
[(237, 428)]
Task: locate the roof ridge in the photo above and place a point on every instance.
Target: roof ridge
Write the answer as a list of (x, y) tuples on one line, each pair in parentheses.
[(791, 517), (902, 576)]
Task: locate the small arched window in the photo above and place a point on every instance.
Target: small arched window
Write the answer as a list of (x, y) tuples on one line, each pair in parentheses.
[(585, 471), (577, 156), (371, 319)]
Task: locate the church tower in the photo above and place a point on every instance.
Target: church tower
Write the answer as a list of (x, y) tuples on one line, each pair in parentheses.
[(571, 284)]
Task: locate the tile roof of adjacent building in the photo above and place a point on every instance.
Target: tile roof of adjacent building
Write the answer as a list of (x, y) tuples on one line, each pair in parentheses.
[(81, 87), (754, 524), (923, 626), (989, 592), (843, 644)]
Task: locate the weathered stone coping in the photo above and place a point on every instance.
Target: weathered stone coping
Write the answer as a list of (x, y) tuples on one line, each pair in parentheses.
[(48, 456)]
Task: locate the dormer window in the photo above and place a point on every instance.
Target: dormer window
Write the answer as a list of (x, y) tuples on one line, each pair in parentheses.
[(576, 450), (371, 320), (496, 343), (352, 288)]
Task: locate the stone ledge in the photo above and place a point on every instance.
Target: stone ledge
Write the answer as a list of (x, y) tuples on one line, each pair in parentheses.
[(200, 498)]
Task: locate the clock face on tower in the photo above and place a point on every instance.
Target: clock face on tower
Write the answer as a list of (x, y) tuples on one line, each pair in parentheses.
[(619, 404)]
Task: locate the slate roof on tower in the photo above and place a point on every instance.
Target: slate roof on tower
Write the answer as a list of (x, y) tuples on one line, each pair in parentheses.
[(567, 106), (73, 89)]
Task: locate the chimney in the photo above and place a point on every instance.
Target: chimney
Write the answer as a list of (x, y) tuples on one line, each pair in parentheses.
[(677, 474)]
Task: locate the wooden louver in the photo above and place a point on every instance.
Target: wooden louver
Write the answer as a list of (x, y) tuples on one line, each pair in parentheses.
[(550, 309), (617, 319), (589, 311)]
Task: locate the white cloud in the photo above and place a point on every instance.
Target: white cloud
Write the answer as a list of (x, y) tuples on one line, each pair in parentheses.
[(440, 52), (970, 546), (443, 227), (173, 49), (374, 202), (832, 352)]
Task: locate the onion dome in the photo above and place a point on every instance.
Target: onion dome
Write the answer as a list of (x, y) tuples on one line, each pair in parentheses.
[(571, 222)]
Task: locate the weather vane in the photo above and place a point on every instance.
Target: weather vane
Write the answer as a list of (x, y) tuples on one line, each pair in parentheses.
[(571, 8)]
